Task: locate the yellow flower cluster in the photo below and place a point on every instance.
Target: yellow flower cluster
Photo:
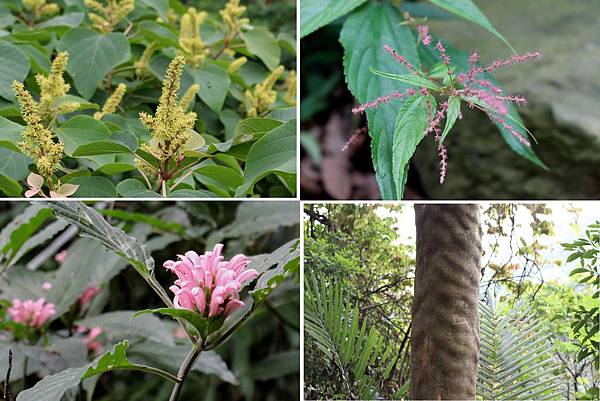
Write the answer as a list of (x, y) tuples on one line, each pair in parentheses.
[(53, 87), (191, 43), (189, 96), (112, 102), (106, 17), (236, 64), (142, 64), (37, 138), (40, 8), (231, 16), (262, 97), (290, 84), (171, 125)]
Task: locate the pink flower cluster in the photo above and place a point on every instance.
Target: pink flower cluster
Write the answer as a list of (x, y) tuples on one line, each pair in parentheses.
[(208, 284), (31, 313), (474, 89)]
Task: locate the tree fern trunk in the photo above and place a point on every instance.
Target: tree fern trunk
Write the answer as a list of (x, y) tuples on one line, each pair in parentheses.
[(445, 316)]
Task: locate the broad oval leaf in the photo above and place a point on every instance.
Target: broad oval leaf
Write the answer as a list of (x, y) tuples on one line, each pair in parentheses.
[(92, 56), (14, 66)]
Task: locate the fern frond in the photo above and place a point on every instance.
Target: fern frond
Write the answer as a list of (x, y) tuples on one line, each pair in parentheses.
[(516, 360), (359, 353)]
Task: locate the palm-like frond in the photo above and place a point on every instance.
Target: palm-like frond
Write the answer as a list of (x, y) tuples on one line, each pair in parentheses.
[(516, 360), (361, 355)]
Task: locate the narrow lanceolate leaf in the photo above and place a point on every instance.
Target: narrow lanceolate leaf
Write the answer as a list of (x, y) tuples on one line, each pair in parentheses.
[(468, 10), (411, 79), (451, 115), (364, 34), (317, 13), (410, 129), (92, 224)]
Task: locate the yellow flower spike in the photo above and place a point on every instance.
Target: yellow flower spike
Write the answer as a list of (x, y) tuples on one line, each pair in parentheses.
[(236, 65), (191, 43), (231, 16), (39, 8), (260, 100), (106, 17), (142, 64), (112, 102), (171, 125), (189, 96), (37, 139), (53, 87), (290, 83)]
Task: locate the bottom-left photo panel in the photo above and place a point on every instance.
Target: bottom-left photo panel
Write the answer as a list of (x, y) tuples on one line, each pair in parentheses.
[(160, 301)]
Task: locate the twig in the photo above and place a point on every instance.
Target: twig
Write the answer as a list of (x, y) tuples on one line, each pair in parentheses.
[(6, 387), (186, 365)]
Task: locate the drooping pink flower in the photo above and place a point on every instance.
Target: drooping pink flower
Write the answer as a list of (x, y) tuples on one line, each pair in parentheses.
[(400, 59), (61, 256), (31, 313), (89, 294), (208, 284)]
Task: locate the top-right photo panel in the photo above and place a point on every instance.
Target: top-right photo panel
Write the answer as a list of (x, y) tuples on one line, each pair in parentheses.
[(450, 99)]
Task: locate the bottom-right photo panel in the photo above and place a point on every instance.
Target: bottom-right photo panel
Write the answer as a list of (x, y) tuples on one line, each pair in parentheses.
[(487, 301)]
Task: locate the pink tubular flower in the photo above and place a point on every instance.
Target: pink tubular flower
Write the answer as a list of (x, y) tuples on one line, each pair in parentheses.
[(208, 284), (89, 294), (31, 313), (94, 346)]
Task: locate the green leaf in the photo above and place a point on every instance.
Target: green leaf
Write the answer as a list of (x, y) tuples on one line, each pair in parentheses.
[(13, 164), (411, 79), (69, 20), (221, 180), (83, 130), (214, 84), (54, 387), (261, 42), (10, 187), (252, 129), (198, 322), (468, 10), (451, 115), (273, 153), (92, 224), (410, 129), (14, 66), (92, 56), (10, 131), (101, 148), (159, 33), (364, 34), (116, 168), (94, 187), (315, 14), (133, 188)]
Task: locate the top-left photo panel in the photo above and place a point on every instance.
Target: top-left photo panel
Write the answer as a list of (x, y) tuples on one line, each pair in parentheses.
[(148, 98)]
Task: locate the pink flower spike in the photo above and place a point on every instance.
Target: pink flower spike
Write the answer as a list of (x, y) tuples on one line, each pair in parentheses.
[(30, 313), (426, 38), (518, 58), (400, 59), (207, 283)]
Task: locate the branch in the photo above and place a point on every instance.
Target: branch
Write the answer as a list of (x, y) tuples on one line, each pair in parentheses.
[(6, 387)]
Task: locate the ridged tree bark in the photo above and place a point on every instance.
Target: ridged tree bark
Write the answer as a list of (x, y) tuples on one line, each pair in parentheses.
[(445, 314)]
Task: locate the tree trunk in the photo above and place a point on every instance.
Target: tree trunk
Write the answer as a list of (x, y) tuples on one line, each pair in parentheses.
[(445, 313)]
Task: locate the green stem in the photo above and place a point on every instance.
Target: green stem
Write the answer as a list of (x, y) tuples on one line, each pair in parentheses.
[(184, 369)]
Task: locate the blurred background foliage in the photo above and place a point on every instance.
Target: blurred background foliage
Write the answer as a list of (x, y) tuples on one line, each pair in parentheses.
[(367, 253), (261, 360)]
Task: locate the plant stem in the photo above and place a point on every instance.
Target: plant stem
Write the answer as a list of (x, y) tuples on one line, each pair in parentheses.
[(151, 370), (164, 188), (25, 360), (184, 369)]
